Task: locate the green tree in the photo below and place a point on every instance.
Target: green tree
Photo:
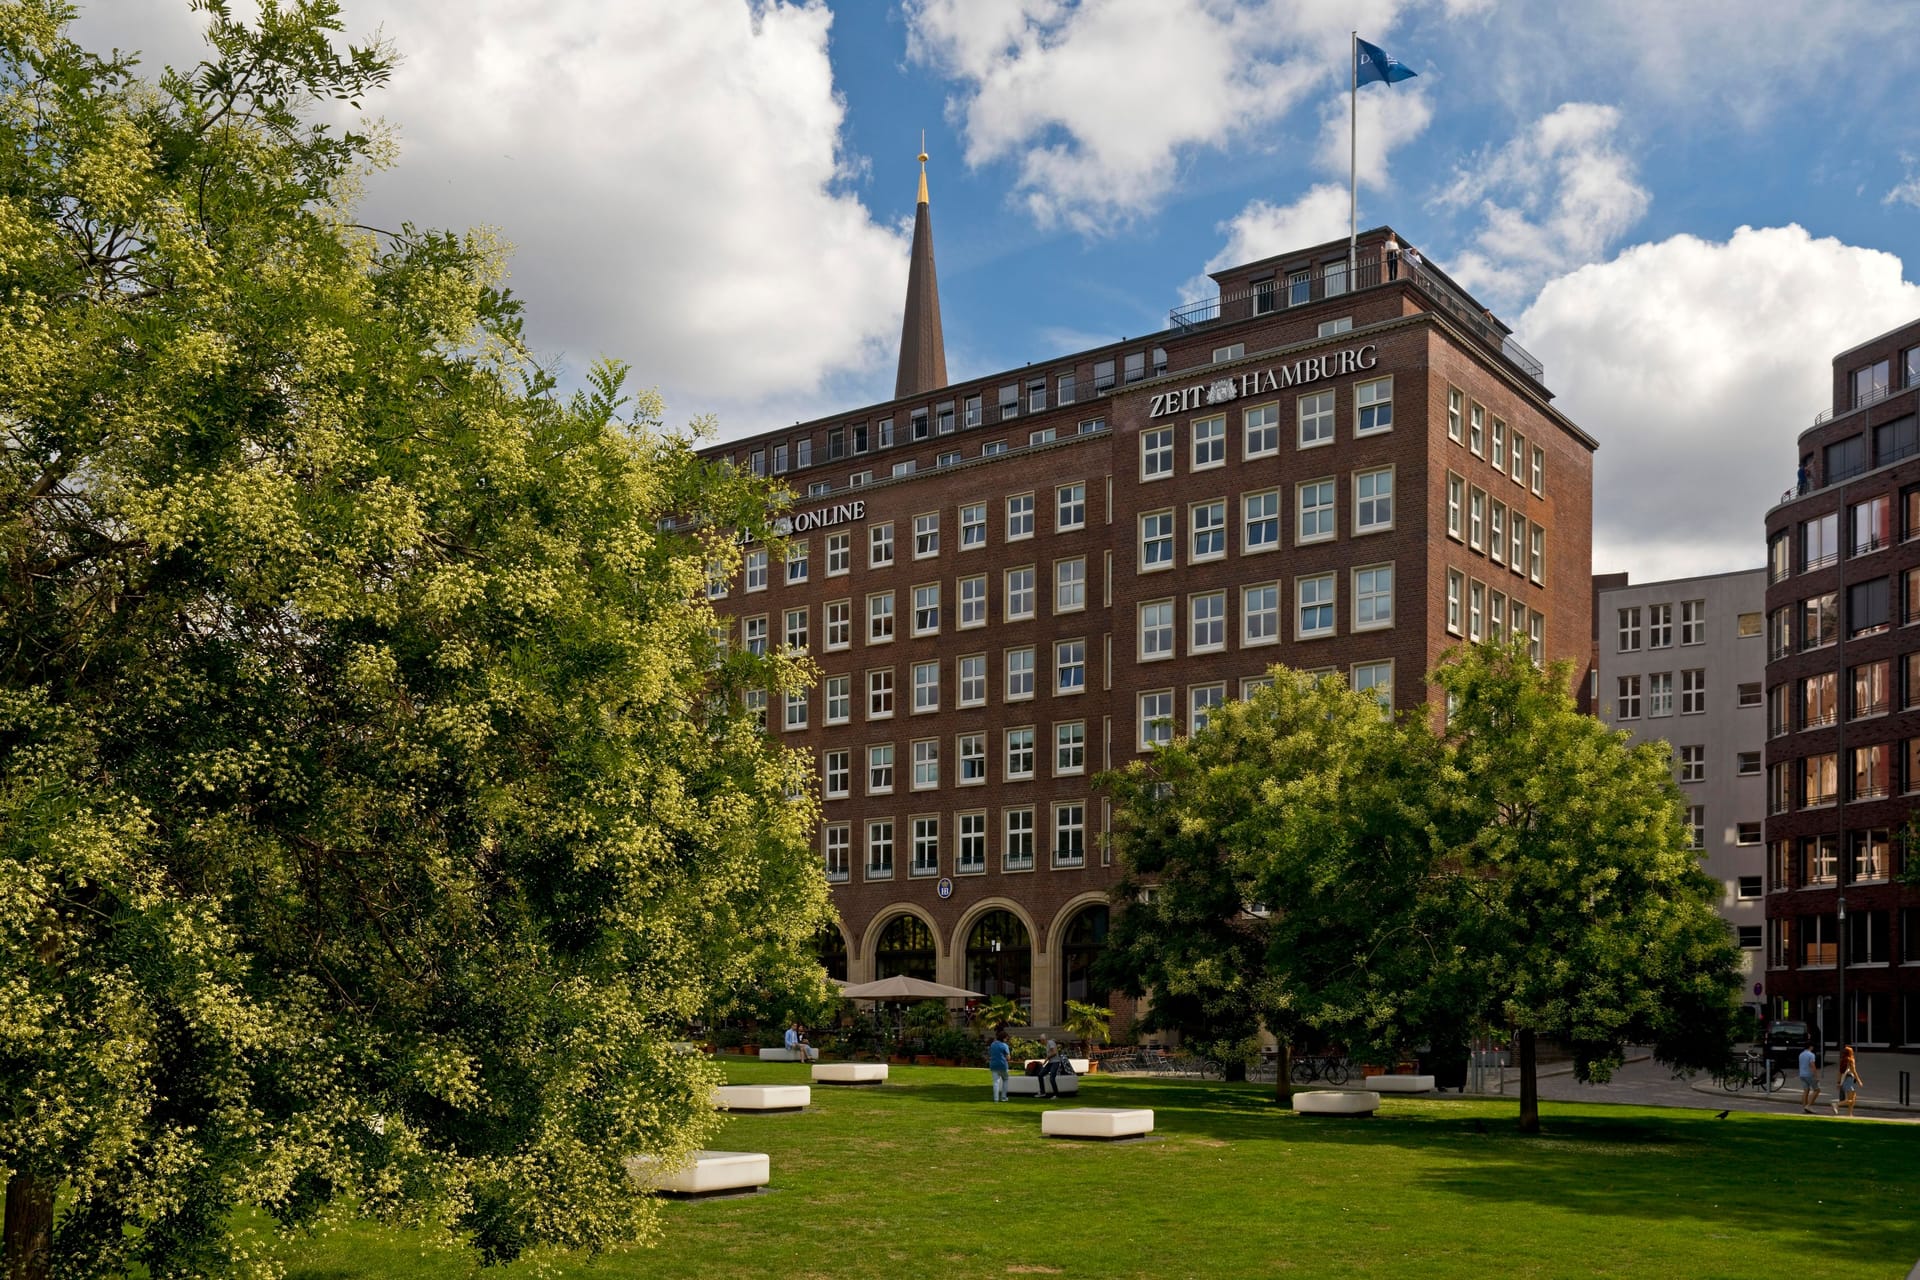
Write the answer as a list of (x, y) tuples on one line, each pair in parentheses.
[(1580, 914), (376, 800)]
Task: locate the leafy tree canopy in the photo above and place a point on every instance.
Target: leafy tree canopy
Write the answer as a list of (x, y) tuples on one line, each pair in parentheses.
[(375, 799)]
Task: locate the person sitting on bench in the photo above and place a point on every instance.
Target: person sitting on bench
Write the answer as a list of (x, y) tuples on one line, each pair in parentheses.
[(797, 1045), (1053, 1067)]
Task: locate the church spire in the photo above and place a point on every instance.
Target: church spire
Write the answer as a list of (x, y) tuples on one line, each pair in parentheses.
[(923, 352)]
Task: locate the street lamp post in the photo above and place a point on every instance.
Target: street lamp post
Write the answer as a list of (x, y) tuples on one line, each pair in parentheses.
[(1840, 966)]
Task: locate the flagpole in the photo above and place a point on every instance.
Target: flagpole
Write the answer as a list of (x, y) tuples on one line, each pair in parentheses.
[(1353, 158)]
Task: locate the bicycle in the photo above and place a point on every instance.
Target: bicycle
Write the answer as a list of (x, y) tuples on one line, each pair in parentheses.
[(1309, 1068), (1753, 1069)]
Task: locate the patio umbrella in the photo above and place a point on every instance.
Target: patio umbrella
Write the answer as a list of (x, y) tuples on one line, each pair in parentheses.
[(901, 987)]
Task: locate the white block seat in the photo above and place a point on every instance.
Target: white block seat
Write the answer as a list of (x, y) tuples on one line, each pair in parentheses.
[(1029, 1086), (788, 1055), (1080, 1065), (708, 1173), (762, 1097), (1400, 1084), (849, 1073), (1103, 1123), (1336, 1102)]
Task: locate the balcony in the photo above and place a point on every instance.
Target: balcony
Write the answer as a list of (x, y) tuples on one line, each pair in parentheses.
[(1315, 285), (1874, 396)]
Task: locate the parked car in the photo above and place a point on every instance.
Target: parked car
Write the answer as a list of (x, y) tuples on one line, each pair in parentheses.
[(1784, 1042)]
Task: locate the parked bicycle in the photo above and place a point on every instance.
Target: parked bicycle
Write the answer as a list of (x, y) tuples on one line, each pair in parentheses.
[(1753, 1069), (1309, 1068)]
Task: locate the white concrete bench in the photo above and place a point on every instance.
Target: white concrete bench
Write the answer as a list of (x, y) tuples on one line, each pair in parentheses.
[(1400, 1084), (707, 1173), (849, 1073), (1029, 1086), (762, 1097), (1080, 1065), (1096, 1122), (1336, 1102), (789, 1055)]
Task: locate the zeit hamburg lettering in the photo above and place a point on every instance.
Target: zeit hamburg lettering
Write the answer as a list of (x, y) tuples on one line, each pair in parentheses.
[(1312, 369)]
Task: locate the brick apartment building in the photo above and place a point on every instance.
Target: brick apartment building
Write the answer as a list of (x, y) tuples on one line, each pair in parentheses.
[(1013, 582), (1843, 706)]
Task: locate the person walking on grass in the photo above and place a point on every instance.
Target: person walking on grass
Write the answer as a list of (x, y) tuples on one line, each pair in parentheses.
[(1849, 1081), (1809, 1079), (997, 1051)]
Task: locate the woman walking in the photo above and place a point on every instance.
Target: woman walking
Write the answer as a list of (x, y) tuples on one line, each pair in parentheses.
[(1849, 1080)]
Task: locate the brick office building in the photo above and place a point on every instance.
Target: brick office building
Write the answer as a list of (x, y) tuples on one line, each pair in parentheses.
[(1843, 706), (1014, 582)]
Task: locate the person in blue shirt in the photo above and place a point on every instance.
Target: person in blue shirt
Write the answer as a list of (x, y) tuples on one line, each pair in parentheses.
[(997, 1051), (797, 1045)]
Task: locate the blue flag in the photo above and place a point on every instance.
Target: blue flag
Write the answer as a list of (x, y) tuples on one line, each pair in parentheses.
[(1376, 65)]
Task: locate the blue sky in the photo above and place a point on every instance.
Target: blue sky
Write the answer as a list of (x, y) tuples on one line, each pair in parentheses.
[(1685, 209)]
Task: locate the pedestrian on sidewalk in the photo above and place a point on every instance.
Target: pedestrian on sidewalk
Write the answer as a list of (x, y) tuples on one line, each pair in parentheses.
[(997, 1053), (1809, 1079), (1849, 1081)]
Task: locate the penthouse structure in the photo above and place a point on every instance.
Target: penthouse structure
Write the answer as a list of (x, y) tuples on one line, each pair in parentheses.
[(1013, 582), (1843, 707)]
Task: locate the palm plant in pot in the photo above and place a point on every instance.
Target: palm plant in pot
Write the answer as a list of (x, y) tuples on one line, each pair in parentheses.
[(1088, 1023)]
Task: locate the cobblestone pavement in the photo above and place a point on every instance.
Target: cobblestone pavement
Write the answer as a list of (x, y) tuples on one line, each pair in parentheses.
[(1644, 1082)]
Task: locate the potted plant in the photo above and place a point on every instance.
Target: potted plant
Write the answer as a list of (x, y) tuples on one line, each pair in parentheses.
[(999, 1011), (1089, 1023)]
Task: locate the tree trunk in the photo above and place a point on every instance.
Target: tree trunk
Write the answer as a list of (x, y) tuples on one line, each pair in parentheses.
[(28, 1247), (1529, 1086), (1283, 1075)]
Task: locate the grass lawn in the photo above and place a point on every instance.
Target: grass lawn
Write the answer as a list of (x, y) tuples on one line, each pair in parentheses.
[(927, 1177)]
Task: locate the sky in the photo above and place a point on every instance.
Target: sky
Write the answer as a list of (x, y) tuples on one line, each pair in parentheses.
[(1684, 210)]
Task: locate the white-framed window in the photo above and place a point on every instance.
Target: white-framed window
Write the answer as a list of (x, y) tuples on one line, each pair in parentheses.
[(1456, 588), (1315, 413), (1020, 592), (1069, 666), (1496, 531), (1156, 719), (1373, 597), (971, 751), (1373, 500), (1476, 520), (1518, 469), (1496, 616), (1536, 628), (970, 853), (1659, 626), (1207, 622), (1019, 673), (796, 709), (1207, 530), (1209, 443), (1156, 630), (1626, 704), (1260, 614), (1156, 453), (880, 769), (1456, 503), (1065, 390), (1693, 691), (1539, 466), (754, 635), (756, 569), (1070, 507), (926, 609), (1629, 631), (1659, 694), (973, 526), (926, 764), (837, 840), (1156, 541), (880, 693), (1251, 685), (1069, 835), (1016, 853), (1315, 616), (1476, 610), (1260, 521), (973, 601), (1202, 700), (1261, 425), (839, 624), (880, 849), (926, 846), (1455, 405), (1693, 763), (973, 680), (1070, 584), (926, 686), (1498, 454), (1373, 407), (1036, 394), (797, 561), (1693, 622), (926, 535), (839, 699), (1019, 517), (1314, 500), (880, 617), (1517, 542), (755, 702), (1009, 401), (1536, 560), (1476, 430), (1375, 678), (1069, 747), (970, 415), (1019, 756), (839, 554), (796, 629), (880, 545), (1231, 352)]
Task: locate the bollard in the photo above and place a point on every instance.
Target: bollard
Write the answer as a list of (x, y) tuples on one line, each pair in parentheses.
[(1906, 1089)]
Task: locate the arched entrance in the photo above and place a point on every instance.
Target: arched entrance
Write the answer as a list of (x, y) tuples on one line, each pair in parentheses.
[(831, 946), (1085, 938), (905, 948), (1000, 957)]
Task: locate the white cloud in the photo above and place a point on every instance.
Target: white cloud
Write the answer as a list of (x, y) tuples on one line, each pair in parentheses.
[(671, 176), (1908, 191), (1696, 364), (1390, 117), (1556, 196), (1098, 103)]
